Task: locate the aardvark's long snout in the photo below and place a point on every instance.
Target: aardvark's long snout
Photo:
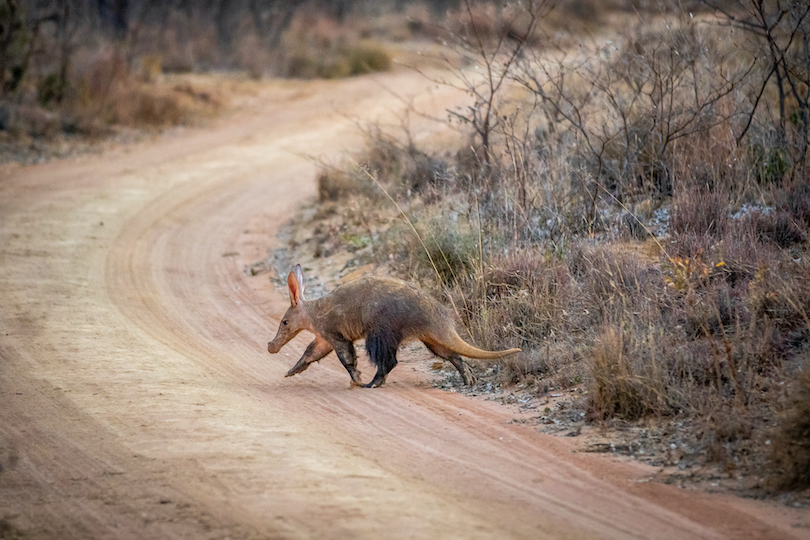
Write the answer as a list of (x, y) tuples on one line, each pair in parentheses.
[(272, 348)]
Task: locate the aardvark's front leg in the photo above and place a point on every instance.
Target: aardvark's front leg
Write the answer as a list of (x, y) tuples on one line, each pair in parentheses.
[(315, 351)]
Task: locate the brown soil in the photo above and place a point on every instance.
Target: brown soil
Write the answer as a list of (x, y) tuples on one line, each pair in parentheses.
[(137, 399)]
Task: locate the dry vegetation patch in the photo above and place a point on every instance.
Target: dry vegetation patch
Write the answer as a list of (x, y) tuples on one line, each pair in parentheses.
[(76, 71), (633, 217)]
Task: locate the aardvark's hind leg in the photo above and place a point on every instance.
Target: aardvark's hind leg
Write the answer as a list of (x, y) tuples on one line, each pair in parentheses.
[(348, 357), (444, 353)]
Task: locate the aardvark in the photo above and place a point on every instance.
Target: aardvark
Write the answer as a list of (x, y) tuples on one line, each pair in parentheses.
[(383, 310)]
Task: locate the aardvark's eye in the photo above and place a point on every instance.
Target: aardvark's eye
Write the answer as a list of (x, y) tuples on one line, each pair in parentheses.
[(284, 323)]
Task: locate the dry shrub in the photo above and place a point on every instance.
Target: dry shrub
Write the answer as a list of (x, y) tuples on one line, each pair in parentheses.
[(626, 383), (700, 212), (790, 439), (378, 21), (106, 92), (402, 167), (778, 227), (420, 21), (445, 253), (726, 433), (636, 369), (368, 57), (794, 200), (699, 218), (705, 332), (710, 159), (530, 368), (683, 335), (340, 185), (615, 280), (742, 253), (99, 74), (102, 92), (147, 105), (520, 301), (334, 185), (33, 121), (136, 106), (483, 21), (489, 22), (452, 250), (781, 295), (318, 47)]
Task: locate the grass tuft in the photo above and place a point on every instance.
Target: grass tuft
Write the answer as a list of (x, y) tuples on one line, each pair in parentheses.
[(790, 440)]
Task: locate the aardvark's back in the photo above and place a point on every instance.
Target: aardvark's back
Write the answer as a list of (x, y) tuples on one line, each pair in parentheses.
[(364, 305)]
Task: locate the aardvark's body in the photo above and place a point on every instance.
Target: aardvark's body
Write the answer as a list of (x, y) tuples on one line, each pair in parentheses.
[(385, 311)]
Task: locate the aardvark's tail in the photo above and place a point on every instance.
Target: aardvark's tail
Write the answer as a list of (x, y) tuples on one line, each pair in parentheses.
[(465, 349)]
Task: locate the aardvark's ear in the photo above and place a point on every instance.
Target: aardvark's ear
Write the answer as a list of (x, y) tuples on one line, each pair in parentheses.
[(295, 281)]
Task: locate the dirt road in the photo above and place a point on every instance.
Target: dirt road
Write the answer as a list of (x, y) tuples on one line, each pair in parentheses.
[(137, 399)]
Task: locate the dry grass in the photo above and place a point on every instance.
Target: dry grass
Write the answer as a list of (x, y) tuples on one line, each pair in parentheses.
[(107, 93), (318, 47), (102, 93), (673, 290), (134, 81), (790, 440), (622, 386)]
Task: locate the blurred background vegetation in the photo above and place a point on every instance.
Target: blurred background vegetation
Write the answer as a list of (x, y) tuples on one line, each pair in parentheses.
[(81, 66)]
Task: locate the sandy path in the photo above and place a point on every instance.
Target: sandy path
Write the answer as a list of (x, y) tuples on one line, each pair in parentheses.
[(137, 399)]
